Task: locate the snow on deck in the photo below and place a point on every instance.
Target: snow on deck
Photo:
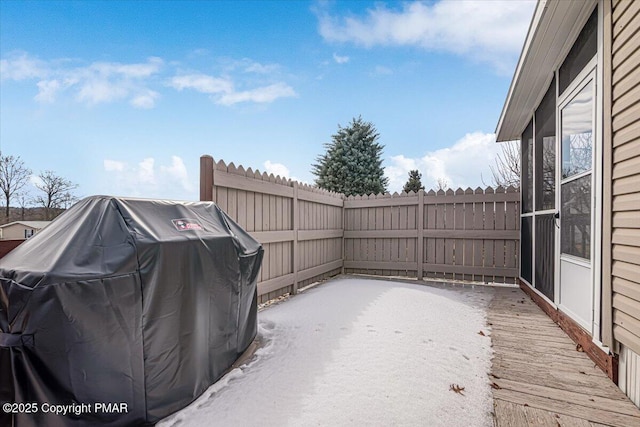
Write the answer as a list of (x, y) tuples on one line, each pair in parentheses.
[(360, 352)]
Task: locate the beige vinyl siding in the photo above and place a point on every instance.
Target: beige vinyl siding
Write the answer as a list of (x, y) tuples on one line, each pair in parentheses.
[(16, 231), (625, 172), (629, 372)]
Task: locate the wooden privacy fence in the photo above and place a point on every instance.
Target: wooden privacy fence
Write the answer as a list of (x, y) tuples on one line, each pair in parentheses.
[(300, 227), (309, 234), (461, 235)]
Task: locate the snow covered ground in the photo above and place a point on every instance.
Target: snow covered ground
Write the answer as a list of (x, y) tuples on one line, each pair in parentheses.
[(360, 352)]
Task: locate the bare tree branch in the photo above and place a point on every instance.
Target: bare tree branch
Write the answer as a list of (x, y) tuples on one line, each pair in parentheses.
[(14, 175), (506, 170), (57, 192), (442, 184)]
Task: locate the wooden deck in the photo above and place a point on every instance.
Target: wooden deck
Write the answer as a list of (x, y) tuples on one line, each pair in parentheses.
[(540, 378)]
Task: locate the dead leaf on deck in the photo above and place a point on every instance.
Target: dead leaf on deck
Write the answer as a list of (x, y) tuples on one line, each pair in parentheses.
[(495, 386), (495, 376), (456, 388), (481, 333), (579, 348), (583, 372), (526, 404)]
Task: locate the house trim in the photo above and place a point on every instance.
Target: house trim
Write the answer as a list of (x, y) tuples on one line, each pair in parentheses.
[(607, 194)]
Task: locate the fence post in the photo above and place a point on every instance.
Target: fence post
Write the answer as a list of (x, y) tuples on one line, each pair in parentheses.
[(206, 178), (295, 237), (344, 226), (420, 225)]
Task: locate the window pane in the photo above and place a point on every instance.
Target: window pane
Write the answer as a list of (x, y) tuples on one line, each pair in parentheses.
[(527, 168), (576, 217), (545, 251), (584, 48), (526, 248), (545, 149), (577, 135)]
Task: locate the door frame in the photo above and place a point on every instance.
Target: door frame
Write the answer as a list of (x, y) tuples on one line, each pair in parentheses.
[(588, 76)]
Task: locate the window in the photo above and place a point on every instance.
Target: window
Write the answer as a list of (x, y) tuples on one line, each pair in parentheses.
[(526, 248), (527, 169), (577, 135), (545, 254), (537, 242), (585, 47), (576, 217), (575, 195), (28, 233), (545, 149)]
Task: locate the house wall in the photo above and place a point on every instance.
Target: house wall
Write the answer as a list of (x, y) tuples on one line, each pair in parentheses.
[(625, 178), (15, 231)]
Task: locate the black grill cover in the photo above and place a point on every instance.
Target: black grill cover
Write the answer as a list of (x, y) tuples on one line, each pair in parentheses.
[(142, 302)]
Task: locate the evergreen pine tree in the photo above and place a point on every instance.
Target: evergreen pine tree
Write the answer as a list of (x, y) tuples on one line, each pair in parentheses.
[(413, 184), (352, 164)]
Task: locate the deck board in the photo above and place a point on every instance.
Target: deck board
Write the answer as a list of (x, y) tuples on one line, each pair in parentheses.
[(540, 378)]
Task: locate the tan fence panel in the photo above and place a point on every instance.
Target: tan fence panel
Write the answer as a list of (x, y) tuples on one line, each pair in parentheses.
[(381, 233), (309, 234), (452, 235), (300, 227)]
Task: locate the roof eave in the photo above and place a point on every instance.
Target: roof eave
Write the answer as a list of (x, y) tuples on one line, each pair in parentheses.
[(533, 26), (554, 27)]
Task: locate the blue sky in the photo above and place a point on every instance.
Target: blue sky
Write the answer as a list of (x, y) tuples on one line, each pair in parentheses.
[(123, 97)]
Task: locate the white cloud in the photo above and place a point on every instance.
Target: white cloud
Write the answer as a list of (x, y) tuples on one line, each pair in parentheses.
[(278, 169), (464, 164), (223, 92), (113, 165), (98, 90), (178, 171), (146, 173), (241, 80), (202, 83), (340, 59), (152, 66), (47, 91), (489, 31), (96, 83), (20, 66), (256, 67), (106, 82), (149, 179), (261, 95), (145, 100)]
